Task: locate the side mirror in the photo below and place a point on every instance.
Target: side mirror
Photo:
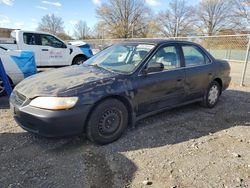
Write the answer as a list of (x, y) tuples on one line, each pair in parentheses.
[(154, 67)]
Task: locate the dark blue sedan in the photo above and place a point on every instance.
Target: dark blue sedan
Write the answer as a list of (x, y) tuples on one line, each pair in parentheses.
[(117, 87)]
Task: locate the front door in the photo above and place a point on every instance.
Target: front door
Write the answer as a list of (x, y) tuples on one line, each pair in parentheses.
[(54, 52), (159, 90)]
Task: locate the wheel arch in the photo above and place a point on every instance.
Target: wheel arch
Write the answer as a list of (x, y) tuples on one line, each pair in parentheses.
[(219, 81), (126, 102)]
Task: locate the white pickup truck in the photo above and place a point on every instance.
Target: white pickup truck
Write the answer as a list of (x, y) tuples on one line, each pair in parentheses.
[(49, 50)]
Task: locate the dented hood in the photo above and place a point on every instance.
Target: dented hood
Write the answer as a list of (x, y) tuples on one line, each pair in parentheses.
[(58, 81)]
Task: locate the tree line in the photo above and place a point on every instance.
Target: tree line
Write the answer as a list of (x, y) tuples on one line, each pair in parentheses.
[(134, 19)]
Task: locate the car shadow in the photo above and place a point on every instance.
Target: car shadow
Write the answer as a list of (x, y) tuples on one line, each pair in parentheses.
[(75, 162)]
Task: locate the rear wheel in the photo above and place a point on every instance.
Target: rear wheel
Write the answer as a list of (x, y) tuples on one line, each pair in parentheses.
[(107, 122), (79, 60), (212, 95)]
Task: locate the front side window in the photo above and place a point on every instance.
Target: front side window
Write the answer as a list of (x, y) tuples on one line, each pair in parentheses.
[(194, 57), (168, 56), (121, 58), (48, 40)]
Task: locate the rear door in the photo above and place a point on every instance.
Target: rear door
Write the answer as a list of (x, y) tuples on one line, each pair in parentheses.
[(158, 90), (31, 42), (198, 70)]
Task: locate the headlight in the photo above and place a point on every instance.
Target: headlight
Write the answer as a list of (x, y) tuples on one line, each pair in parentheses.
[(54, 103)]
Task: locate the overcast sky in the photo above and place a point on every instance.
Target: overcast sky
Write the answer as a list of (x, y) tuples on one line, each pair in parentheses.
[(25, 14)]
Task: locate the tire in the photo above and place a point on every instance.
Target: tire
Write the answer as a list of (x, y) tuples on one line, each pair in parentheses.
[(79, 60), (212, 95), (107, 122), (2, 90)]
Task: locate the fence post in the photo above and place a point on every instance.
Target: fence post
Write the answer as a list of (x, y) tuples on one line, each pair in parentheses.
[(245, 64), (230, 51), (5, 79)]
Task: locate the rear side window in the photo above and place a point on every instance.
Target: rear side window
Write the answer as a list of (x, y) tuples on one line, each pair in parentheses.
[(31, 39), (194, 56)]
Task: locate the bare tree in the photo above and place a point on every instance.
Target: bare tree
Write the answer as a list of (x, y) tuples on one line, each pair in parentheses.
[(177, 20), (82, 31), (101, 30), (152, 30), (52, 24), (213, 15), (64, 36), (241, 17), (124, 18)]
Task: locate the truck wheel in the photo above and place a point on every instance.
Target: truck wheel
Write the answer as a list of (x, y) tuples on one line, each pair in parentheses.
[(2, 90), (79, 60), (107, 122)]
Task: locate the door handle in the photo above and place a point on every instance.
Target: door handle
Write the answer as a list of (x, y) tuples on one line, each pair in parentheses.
[(179, 79), (45, 50), (210, 74)]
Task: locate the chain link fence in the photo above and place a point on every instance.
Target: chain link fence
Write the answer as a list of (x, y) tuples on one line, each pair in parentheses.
[(232, 48)]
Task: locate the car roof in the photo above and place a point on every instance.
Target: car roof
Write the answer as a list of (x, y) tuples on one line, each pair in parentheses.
[(155, 41), (35, 32)]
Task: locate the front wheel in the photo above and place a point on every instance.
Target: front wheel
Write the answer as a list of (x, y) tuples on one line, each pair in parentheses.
[(79, 60), (107, 122), (212, 95)]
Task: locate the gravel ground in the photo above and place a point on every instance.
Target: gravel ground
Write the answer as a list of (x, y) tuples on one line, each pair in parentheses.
[(189, 146)]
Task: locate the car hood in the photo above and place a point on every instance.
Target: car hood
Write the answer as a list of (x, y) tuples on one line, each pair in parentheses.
[(58, 81)]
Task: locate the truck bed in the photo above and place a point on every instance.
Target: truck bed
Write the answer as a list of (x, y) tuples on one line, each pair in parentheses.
[(8, 43)]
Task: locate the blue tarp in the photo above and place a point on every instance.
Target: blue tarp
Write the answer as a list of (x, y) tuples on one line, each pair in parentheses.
[(5, 79), (26, 63)]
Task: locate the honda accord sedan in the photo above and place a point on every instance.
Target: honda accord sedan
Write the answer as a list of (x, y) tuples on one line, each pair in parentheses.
[(118, 86)]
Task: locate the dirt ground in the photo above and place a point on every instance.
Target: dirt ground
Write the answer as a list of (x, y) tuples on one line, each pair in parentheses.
[(189, 146)]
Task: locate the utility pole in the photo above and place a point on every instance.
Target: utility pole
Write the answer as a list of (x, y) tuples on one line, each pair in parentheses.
[(132, 30), (177, 28)]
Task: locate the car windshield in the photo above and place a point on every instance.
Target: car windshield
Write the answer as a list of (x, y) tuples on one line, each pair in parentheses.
[(121, 58)]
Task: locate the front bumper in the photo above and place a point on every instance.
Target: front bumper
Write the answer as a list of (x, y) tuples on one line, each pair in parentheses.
[(51, 123)]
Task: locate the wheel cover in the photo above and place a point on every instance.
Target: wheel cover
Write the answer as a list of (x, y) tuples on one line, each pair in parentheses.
[(1, 87), (79, 62), (213, 94), (110, 122)]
